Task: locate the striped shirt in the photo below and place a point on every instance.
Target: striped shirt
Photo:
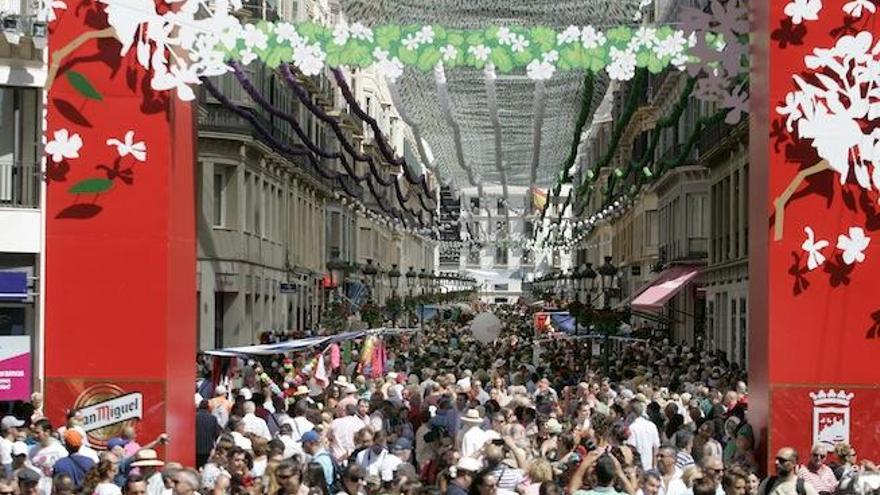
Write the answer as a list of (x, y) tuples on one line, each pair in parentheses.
[(823, 479)]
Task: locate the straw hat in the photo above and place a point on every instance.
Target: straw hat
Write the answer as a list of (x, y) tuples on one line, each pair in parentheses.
[(472, 416), (145, 458), (341, 381), (301, 390)]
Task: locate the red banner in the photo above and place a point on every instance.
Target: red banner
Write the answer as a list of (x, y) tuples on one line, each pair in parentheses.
[(815, 253)]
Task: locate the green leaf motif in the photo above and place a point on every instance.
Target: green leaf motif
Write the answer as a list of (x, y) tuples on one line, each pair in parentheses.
[(475, 38), (310, 30), (355, 53), (82, 85), (386, 35), (544, 37), (407, 56), (91, 186), (455, 38), (573, 56), (428, 59), (277, 55), (501, 58), (619, 36)]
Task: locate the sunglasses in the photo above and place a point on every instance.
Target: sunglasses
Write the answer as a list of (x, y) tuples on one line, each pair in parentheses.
[(355, 479), (782, 460), (7, 493), (819, 456), (716, 471)]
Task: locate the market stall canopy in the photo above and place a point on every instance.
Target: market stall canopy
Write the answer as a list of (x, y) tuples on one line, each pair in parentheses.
[(664, 288), (302, 344)]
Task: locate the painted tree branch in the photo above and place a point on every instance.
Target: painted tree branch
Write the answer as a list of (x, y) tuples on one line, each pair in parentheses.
[(59, 54), (782, 199)]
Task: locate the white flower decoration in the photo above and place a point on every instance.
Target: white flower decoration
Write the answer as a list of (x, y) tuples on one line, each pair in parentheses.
[(505, 36), (50, 9), (449, 52), (855, 8), (644, 36), (340, 34), (229, 36), (803, 10), (791, 108), (540, 71), (285, 31), (592, 38), (813, 248), (854, 245), (178, 78), (309, 58), (480, 52), (672, 46), (425, 35), (391, 69), (622, 66), (571, 34), (248, 56), (519, 43), (254, 37), (380, 54), (411, 42), (63, 145), (552, 56), (137, 149), (360, 32)]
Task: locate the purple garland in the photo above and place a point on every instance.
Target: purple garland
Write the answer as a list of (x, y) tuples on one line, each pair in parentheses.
[(386, 150), (319, 112), (277, 145), (259, 98)]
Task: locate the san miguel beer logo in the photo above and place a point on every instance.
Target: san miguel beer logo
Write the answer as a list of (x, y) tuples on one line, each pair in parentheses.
[(831, 417), (107, 409)]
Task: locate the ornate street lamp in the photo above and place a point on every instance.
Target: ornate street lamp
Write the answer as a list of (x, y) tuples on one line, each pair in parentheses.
[(590, 276), (411, 279), (370, 271)]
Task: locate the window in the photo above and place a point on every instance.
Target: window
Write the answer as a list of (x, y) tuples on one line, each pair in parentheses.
[(743, 332), (335, 236), (474, 256), (221, 181), (652, 230), (500, 300), (249, 203), (20, 111), (636, 270), (501, 255), (501, 287)]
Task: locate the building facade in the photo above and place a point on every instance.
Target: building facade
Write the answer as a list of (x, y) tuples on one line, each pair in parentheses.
[(490, 231), (270, 226), (22, 190)]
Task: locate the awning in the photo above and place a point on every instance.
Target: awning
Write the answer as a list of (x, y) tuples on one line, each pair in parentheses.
[(13, 285), (664, 288)]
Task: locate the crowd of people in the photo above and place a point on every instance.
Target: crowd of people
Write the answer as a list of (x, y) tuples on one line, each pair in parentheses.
[(449, 415)]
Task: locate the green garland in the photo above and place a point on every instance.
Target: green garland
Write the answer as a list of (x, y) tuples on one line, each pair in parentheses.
[(638, 86), (669, 120), (583, 115)]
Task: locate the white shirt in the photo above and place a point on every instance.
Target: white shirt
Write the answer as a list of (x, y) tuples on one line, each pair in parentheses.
[(43, 459), (5, 452), (675, 487), (342, 432), (256, 425), (242, 441), (644, 437), (107, 489), (382, 464), (291, 446), (300, 426), (472, 441)]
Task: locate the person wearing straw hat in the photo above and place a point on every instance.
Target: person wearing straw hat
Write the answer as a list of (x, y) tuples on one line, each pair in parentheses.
[(349, 396), (473, 437), (148, 463)]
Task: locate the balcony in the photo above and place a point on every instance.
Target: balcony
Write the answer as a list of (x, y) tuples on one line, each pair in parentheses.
[(19, 185), (698, 247), (713, 137)]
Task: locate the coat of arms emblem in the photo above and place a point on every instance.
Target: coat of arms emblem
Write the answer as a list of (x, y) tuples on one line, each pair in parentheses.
[(831, 417)]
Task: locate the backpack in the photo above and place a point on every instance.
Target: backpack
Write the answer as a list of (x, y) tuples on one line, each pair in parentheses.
[(774, 480)]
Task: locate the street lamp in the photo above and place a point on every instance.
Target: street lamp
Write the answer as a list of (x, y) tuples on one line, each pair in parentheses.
[(370, 271), (590, 275), (394, 277), (411, 279), (608, 281)]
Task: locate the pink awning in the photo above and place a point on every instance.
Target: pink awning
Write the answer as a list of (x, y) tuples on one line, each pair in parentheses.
[(664, 288)]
